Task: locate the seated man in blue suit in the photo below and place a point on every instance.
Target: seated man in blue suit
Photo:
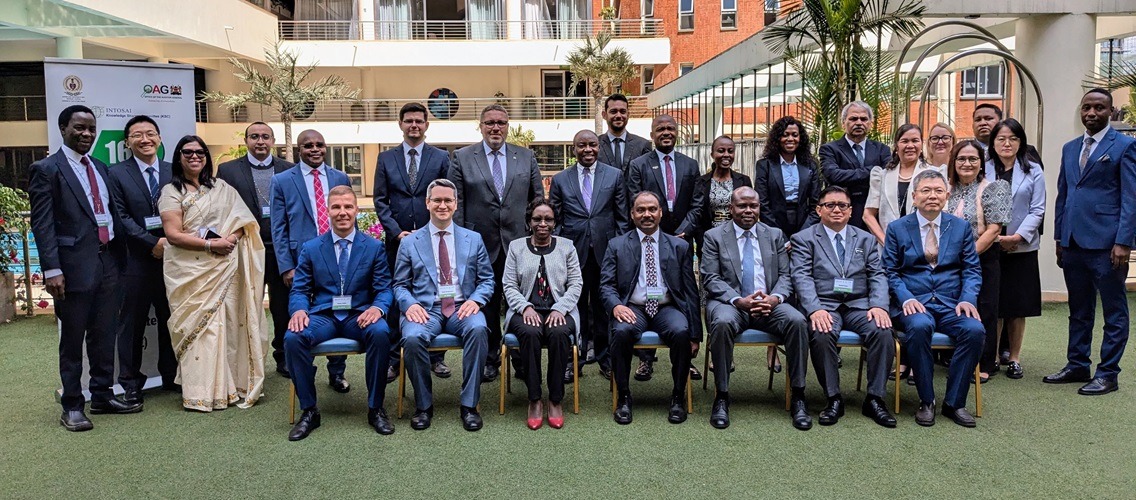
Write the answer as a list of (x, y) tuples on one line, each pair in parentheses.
[(342, 288), (934, 274), (443, 277)]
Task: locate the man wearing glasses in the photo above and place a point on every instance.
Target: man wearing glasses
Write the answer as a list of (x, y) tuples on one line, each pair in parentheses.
[(847, 162), (841, 286), (495, 183)]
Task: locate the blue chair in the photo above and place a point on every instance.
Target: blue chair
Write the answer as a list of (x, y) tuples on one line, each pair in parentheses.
[(443, 342), (333, 347), (940, 341), (510, 341), (651, 340), (852, 339)]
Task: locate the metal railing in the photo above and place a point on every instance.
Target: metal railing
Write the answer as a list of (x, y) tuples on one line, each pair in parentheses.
[(468, 30), (746, 154), (22, 108)]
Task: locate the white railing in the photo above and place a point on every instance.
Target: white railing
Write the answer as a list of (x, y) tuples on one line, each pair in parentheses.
[(468, 30)]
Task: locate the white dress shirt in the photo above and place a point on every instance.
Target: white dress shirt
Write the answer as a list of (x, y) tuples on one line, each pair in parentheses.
[(832, 241), (759, 284), (622, 146), (925, 225), (674, 172), (452, 250), (639, 294), (309, 183), (406, 155), (104, 194), (145, 176), (257, 163), (1097, 138)]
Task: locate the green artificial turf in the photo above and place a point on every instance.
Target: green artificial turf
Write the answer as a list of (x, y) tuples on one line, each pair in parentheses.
[(1035, 440)]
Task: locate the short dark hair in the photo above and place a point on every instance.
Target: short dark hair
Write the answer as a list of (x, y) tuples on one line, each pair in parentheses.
[(997, 111), (178, 178), (537, 202), (253, 124), (140, 119), (441, 182), (413, 107), (65, 115), (833, 189), (615, 97), (1102, 91), (652, 194)]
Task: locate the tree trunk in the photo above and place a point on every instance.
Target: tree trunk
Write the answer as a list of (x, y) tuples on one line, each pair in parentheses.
[(287, 138), (599, 114)]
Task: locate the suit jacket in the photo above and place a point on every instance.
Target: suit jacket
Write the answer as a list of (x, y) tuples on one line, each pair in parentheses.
[(317, 280), (634, 147), (1096, 207), (1028, 191), (645, 174), (816, 267), (590, 230), (840, 168), (293, 216), (884, 191), (499, 220), (132, 201), (721, 265), (619, 275), (770, 187), (564, 278), (238, 173), (701, 215), (416, 272), (400, 206), (956, 278), (63, 222)]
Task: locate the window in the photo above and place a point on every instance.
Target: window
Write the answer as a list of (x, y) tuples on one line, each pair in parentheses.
[(648, 8), (647, 80), (773, 6), (685, 68), (983, 81), (729, 14), (686, 15)]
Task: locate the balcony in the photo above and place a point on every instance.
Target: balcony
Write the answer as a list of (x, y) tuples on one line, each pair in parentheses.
[(24, 108), (466, 30)]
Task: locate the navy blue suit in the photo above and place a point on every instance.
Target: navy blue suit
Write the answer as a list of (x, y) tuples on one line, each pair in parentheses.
[(317, 280), (956, 278), (1096, 209), (840, 167)]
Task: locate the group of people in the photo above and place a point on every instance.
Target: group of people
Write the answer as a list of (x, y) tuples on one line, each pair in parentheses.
[(886, 242)]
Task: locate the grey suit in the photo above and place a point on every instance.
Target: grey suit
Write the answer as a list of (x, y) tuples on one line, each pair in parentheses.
[(815, 271), (634, 147), (721, 270)]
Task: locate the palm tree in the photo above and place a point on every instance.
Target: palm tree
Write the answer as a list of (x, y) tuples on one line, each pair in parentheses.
[(604, 70), (1121, 74), (283, 88)]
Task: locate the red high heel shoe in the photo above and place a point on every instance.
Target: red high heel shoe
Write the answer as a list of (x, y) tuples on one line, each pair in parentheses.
[(536, 423), (555, 422)]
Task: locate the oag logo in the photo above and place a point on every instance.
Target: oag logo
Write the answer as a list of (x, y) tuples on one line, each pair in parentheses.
[(152, 90)]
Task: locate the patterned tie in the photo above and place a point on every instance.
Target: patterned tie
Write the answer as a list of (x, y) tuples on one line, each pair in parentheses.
[(1085, 152), (343, 257), (413, 169), (669, 173), (840, 250), (498, 175), (153, 179), (931, 246), (748, 270), (322, 220), (445, 275), (96, 199), (588, 188), (859, 153), (617, 148), (652, 276)]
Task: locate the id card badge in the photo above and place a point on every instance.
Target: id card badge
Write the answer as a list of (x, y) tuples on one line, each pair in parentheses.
[(153, 222), (447, 291), (656, 292), (265, 211), (842, 285), (103, 220), (341, 303)]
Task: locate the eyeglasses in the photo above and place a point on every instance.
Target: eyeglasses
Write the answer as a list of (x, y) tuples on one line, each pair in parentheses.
[(495, 123), (313, 145), (190, 153), (443, 201), (928, 191), (968, 160), (833, 205), (940, 138), (546, 220), (257, 137), (149, 134), (1012, 139)]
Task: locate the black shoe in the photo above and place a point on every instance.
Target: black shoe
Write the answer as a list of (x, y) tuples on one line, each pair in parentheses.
[(339, 384), (832, 413), (441, 370), (1068, 376), (644, 372), (133, 397), (623, 411), (378, 419), (1097, 387), (421, 419), (309, 421), (171, 387), (695, 374), (677, 413), (392, 374), (720, 414), (489, 373), (569, 375), (911, 380), (875, 409), (471, 420), (519, 372), (1004, 357), (959, 416), (925, 415), (1014, 370), (283, 370), (800, 411), (114, 406), (605, 372), (75, 421)]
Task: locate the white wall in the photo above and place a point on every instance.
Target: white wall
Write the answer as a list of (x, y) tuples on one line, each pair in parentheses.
[(433, 53)]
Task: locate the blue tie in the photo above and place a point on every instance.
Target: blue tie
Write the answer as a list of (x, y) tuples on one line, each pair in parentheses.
[(343, 257), (153, 186), (747, 264), (840, 250)]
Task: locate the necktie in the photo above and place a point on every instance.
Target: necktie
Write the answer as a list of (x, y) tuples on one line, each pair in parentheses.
[(859, 153), (617, 148), (588, 188), (446, 275), (413, 169), (652, 276), (96, 200), (1085, 152), (840, 250), (343, 257), (153, 180), (323, 223), (669, 173), (498, 175), (747, 264), (931, 246)]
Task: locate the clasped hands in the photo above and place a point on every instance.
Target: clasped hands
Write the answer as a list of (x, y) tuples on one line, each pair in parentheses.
[(757, 303), (299, 320), (224, 246)]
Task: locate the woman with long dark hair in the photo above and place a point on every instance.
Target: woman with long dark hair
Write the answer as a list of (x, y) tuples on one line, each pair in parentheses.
[(889, 193), (787, 183)]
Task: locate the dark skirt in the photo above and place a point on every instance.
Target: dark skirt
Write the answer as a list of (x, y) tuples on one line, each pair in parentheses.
[(1021, 286)]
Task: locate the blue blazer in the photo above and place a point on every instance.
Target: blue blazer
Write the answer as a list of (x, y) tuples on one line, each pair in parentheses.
[(399, 206), (416, 275), (293, 216), (317, 276), (1097, 207), (956, 278)]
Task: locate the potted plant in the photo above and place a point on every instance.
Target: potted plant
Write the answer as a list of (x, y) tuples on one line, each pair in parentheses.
[(13, 203), (368, 222)]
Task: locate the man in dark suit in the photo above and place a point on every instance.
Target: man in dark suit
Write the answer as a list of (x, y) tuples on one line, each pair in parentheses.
[(135, 185), (847, 162), (251, 175), (401, 177), (81, 251), (495, 184), (1095, 221), (841, 285), (647, 283), (618, 146), (342, 288), (299, 213), (589, 198), (934, 275), (749, 291)]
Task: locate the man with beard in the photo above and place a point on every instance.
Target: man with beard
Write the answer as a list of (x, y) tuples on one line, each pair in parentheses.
[(618, 146), (847, 162)]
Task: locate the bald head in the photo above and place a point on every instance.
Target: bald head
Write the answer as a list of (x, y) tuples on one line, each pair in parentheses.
[(313, 149), (664, 133), (586, 147)]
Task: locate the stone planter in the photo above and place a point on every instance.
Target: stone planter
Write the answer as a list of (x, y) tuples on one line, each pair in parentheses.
[(7, 297)]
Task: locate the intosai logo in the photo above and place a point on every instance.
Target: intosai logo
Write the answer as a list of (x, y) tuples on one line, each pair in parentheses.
[(152, 90), (72, 85)]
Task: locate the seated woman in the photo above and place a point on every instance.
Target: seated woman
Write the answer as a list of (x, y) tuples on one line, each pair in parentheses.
[(542, 283), (214, 270)]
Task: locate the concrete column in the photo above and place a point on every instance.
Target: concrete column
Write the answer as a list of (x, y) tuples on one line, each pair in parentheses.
[(366, 15), (1040, 41), (69, 47), (514, 13)]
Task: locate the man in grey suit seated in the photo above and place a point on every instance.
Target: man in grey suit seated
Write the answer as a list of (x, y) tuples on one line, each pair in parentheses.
[(745, 276), (841, 285), (442, 279)]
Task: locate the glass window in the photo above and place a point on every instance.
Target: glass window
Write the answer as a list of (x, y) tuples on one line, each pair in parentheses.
[(686, 15), (983, 81), (647, 80), (648, 8), (685, 68)]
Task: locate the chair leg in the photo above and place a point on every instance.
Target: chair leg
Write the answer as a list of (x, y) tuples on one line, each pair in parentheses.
[(506, 367), (576, 374), (788, 391), (401, 379), (291, 403), (690, 393), (504, 376), (612, 392), (977, 393), (770, 370), (705, 368), (860, 371), (897, 347)]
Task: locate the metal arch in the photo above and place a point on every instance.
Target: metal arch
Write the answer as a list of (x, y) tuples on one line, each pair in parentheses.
[(1005, 56)]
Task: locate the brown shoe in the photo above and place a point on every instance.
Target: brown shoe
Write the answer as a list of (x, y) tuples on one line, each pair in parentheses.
[(925, 415), (959, 416)]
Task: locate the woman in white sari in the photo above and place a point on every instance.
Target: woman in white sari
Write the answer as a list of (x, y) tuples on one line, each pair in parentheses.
[(212, 268)]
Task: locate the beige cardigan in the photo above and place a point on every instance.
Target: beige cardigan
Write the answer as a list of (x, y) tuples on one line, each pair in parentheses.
[(883, 191)]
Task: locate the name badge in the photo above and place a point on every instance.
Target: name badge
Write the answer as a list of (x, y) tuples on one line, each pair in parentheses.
[(102, 219), (153, 222), (842, 285), (265, 212), (656, 292), (341, 303), (447, 291)]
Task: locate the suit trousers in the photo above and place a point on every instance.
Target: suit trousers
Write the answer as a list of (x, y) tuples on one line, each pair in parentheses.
[(277, 303), (139, 291), (323, 326), (988, 297), (879, 343), (674, 330), (88, 317), (1086, 272), (492, 311), (395, 316), (969, 337), (784, 321), (531, 338), (593, 317), (416, 338)]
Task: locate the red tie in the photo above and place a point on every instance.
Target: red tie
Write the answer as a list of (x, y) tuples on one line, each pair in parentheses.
[(446, 276), (670, 182), (322, 219), (104, 231)]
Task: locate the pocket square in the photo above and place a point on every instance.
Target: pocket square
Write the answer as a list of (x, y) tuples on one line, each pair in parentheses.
[(1104, 158)]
